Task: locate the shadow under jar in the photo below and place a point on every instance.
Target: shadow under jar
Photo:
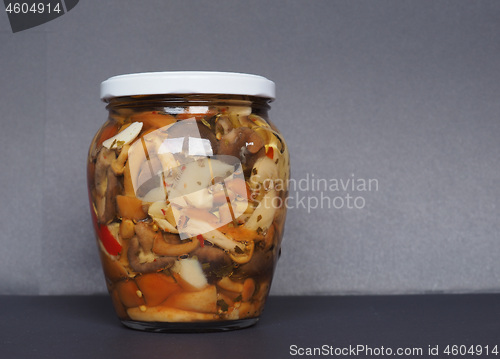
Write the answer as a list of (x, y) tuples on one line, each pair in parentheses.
[(187, 182)]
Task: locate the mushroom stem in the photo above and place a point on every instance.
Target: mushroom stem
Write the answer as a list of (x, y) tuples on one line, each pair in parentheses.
[(147, 267), (118, 165), (146, 236), (161, 247)]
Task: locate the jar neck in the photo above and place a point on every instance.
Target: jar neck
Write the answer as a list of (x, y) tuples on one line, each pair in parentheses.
[(172, 101)]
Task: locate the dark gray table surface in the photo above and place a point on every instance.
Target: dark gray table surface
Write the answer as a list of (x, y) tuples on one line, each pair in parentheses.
[(86, 327)]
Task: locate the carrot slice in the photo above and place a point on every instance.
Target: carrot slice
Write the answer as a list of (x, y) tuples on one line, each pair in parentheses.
[(128, 293), (113, 270), (240, 233), (107, 132), (156, 287), (130, 207), (154, 119)]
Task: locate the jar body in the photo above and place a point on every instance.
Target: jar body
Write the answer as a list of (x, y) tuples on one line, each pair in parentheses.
[(187, 196)]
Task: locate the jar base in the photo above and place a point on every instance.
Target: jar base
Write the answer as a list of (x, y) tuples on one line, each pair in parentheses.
[(192, 327)]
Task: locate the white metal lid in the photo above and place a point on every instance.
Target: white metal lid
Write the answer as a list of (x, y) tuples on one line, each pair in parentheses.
[(187, 82)]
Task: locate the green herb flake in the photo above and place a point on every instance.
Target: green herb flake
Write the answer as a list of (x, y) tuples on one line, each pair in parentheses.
[(238, 298), (223, 305), (223, 271)]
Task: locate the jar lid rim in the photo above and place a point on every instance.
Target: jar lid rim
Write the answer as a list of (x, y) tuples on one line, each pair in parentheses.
[(187, 82)]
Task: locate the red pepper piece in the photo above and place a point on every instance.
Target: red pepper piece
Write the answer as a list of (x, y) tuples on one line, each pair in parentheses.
[(109, 241), (270, 153), (201, 239)]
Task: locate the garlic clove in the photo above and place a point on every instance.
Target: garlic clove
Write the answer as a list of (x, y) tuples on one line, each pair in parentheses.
[(190, 270), (124, 137)]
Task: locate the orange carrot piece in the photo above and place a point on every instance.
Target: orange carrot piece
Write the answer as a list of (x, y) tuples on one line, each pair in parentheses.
[(128, 293), (153, 119), (240, 233), (107, 132), (130, 207), (156, 287)]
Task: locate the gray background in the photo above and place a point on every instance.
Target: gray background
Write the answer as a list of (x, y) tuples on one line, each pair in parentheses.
[(405, 92)]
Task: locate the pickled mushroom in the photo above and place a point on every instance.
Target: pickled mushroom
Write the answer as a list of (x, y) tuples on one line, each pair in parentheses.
[(262, 263), (107, 167), (202, 301), (146, 236), (222, 126), (163, 248), (106, 204), (243, 143), (118, 165), (246, 256), (228, 284), (144, 263), (215, 261), (168, 314)]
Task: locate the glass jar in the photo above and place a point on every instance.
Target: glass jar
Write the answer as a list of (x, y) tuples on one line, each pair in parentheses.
[(187, 182)]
